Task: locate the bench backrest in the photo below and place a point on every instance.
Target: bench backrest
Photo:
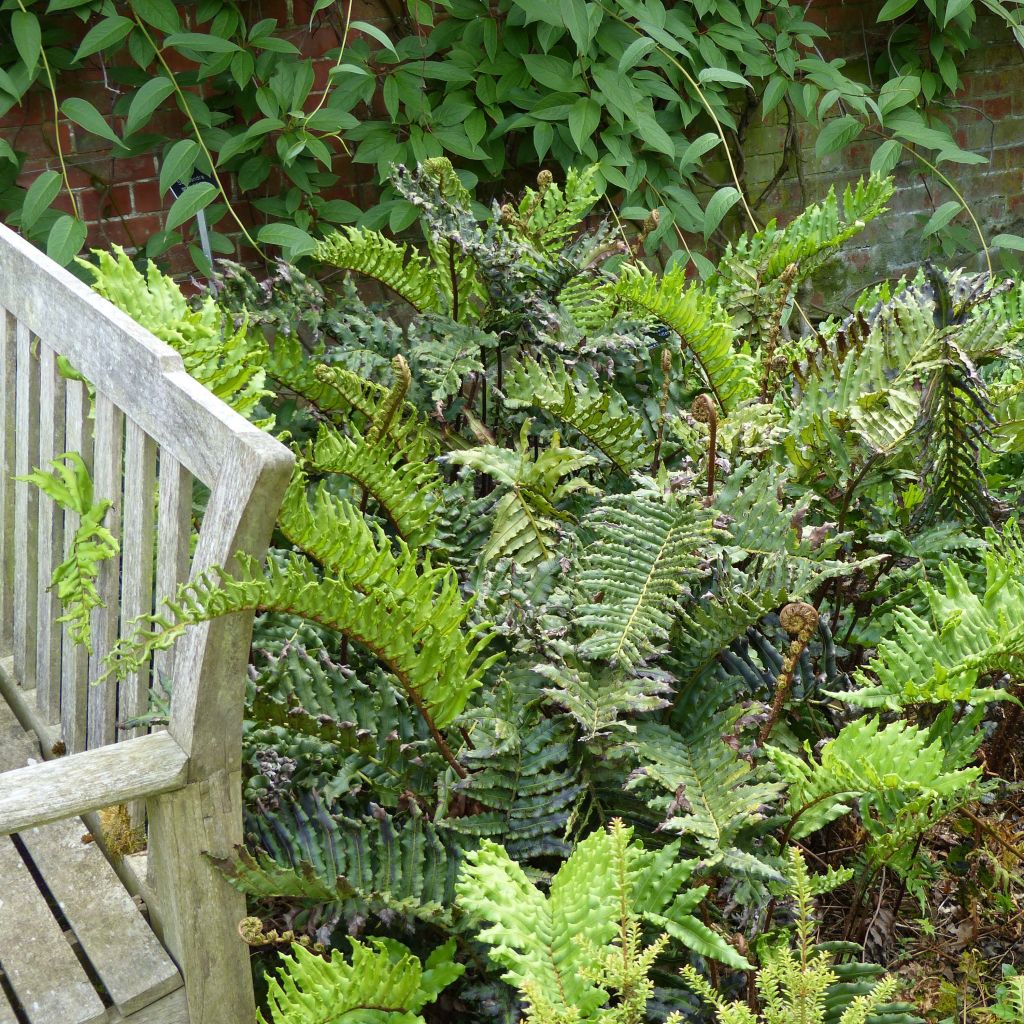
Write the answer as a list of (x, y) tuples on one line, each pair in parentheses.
[(153, 431)]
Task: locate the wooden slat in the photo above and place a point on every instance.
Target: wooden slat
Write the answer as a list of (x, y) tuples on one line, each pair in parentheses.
[(172, 1009), (39, 963), (110, 929), (143, 376), (26, 509), (8, 364), (51, 539), (6, 1011), (137, 558), (174, 518), (74, 676), (41, 793), (108, 455)]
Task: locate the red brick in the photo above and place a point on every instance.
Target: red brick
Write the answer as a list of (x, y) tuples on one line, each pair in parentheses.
[(146, 197)]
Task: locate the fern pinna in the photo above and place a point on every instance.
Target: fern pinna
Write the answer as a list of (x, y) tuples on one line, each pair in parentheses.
[(599, 588)]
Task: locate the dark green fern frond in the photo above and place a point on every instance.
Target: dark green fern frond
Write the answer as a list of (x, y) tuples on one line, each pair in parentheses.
[(407, 492), (584, 407), (701, 323), (647, 544), (398, 267), (705, 790)]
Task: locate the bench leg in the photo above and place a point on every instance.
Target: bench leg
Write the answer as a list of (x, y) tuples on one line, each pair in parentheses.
[(197, 912)]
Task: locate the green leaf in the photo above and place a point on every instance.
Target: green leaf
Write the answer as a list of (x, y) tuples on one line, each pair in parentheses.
[(837, 133), (161, 14), (954, 8), (104, 34), (1008, 242), (723, 75), (178, 163), (574, 16), (27, 38), (289, 237), (941, 217), (894, 8), (721, 203), (634, 53), (41, 193), (190, 202), (696, 149), (898, 92), (86, 116), (773, 94), (616, 89), (886, 157), (145, 101), (584, 117), (374, 33), (201, 41), (66, 238), (6, 153)]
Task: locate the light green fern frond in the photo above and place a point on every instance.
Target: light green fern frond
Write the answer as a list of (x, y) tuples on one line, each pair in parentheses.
[(647, 543), (398, 267), (421, 636), (408, 492), (584, 407), (548, 215), (226, 359), (701, 323), (383, 981), (526, 518)]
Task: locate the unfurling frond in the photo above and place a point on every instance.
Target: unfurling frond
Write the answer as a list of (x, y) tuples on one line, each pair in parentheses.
[(616, 433), (702, 325), (398, 267), (384, 981), (420, 636), (527, 520), (647, 544), (548, 215)]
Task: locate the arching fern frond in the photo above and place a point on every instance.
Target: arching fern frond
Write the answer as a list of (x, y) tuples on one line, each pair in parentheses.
[(647, 543), (398, 267), (421, 637), (584, 407), (701, 323), (407, 492), (384, 981)]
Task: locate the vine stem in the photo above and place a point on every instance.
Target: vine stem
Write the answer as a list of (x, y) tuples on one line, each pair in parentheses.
[(56, 126), (199, 137)]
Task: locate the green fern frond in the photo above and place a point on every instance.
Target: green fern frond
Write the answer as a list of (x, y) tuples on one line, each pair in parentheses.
[(408, 492), (702, 325), (421, 637), (531, 485), (712, 798), (227, 360), (584, 407), (398, 267), (647, 543), (383, 981), (548, 215)]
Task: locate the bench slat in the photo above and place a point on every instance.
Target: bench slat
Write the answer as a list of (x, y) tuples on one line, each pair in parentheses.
[(74, 676), (51, 538), (39, 963), (6, 1010), (8, 356), (26, 511), (174, 519)]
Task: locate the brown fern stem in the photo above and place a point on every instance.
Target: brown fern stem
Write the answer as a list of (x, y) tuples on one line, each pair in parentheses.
[(800, 621), (704, 411)]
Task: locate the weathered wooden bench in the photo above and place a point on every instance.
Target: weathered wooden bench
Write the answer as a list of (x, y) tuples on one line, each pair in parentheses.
[(75, 946)]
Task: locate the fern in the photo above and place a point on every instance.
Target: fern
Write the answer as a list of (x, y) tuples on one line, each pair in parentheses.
[(406, 492), (969, 637), (421, 637), (584, 407), (546, 944), (70, 487), (526, 519), (548, 215), (712, 798), (646, 544), (383, 981), (701, 323), (398, 267), (227, 360)]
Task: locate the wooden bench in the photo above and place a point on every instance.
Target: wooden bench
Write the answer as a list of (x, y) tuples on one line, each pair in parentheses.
[(75, 946)]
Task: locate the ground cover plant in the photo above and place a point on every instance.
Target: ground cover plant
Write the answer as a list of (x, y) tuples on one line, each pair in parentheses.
[(631, 648)]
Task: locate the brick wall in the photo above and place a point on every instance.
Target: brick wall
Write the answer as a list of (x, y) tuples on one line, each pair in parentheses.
[(120, 197)]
